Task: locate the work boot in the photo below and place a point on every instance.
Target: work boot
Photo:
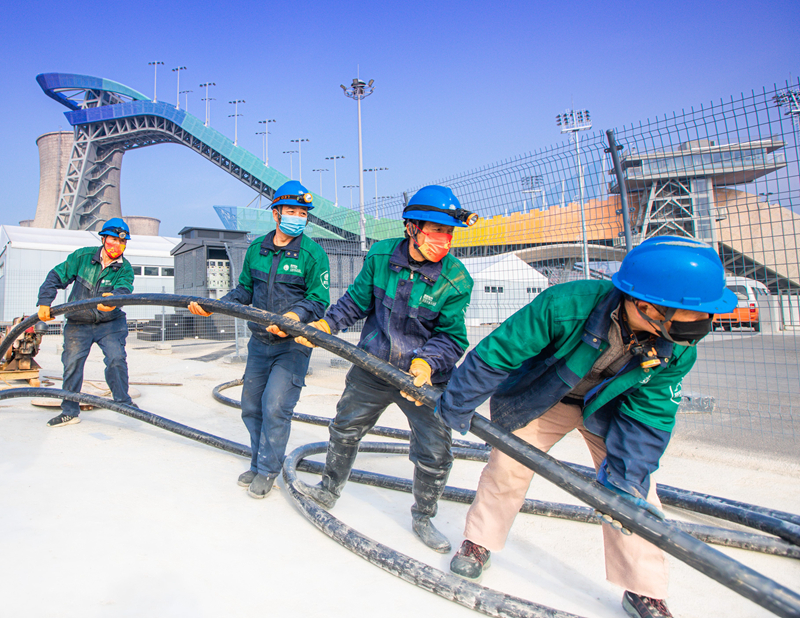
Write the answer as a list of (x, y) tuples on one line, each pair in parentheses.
[(260, 486), (471, 561), (338, 462), (427, 490), (245, 478), (638, 606), (63, 419)]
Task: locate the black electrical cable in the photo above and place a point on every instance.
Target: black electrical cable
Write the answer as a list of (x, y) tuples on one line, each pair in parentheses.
[(475, 452), (736, 576)]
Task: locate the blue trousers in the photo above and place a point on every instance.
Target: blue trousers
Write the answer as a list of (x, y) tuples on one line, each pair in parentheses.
[(274, 375), (78, 340)]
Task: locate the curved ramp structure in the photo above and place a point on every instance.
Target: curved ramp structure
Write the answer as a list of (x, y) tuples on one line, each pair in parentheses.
[(109, 118)]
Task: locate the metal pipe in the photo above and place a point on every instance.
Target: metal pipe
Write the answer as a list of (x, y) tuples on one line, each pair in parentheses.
[(613, 149)]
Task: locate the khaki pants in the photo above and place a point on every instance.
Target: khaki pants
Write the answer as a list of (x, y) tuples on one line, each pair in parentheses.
[(631, 562)]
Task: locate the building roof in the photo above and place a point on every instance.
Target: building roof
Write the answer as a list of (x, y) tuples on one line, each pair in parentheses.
[(506, 267), (47, 239)]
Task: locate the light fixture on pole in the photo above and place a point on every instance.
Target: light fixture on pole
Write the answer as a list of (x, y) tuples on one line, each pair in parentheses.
[(208, 101), (185, 99), (299, 143), (357, 91), (376, 170), (335, 182), (155, 64), (264, 133), (291, 165), (320, 170), (351, 187), (177, 71), (535, 186), (381, 198), (235, 117), (790, 99), (573, 121), (266, 139)]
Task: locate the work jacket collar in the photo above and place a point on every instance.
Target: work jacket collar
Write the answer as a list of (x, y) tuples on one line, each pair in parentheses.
[(429, 271), (98, 259), (292, 250), (597, 326)]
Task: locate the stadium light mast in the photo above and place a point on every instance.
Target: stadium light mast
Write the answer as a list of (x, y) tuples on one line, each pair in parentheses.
[(335, 182), (266, 138), (185, 99), (155, 64), (351, 187), (320, 170), (299, 143), (359, 90), (177, 72), (573, 122), (291, 164), (235, 117), (790, 99), (208, 101), (376, 170)]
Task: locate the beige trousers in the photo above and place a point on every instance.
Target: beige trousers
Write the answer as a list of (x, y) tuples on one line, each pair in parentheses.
[(631, 562)]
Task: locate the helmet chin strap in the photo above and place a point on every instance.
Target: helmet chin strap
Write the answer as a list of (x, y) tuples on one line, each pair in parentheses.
[(659, 324)]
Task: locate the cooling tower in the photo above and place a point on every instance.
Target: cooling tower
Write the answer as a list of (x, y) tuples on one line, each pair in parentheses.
[(98, 192), (142, 226)]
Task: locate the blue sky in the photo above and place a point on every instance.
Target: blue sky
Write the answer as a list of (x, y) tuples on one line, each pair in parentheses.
[(458, 84)]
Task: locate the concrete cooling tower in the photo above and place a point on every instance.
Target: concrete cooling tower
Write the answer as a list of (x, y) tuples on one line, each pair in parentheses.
[(98, 189)]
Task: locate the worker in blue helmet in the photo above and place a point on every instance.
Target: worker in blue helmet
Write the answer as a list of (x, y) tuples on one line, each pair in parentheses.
[(283, 272), (92, 271), (605, 358), (413, 295)]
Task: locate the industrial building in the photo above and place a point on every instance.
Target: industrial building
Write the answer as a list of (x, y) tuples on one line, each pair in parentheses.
[(27, 254)]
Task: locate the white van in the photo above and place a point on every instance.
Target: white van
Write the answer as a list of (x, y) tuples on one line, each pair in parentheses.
[(746, 313)]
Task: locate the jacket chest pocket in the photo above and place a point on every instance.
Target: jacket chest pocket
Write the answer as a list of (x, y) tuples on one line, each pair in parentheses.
[(260, 288)]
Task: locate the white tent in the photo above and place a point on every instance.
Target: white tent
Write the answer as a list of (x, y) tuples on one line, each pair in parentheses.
[(503, 285), (27, 254)]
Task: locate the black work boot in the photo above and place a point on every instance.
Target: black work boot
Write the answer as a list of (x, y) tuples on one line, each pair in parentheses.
[(245, 478), (638, 606), (63, 419), (338, 463), (427, 491), (260, 486), (470, 561)]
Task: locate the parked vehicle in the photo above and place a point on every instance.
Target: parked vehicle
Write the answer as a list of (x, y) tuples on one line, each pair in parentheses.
[(746, 313)]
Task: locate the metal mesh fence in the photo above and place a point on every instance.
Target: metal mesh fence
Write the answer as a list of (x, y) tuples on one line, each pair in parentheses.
[(725, 173)]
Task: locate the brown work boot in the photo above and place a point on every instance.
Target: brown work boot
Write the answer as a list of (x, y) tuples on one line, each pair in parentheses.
[(470, 561)]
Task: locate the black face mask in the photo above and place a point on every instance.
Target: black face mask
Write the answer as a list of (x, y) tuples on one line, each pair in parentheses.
[(690, 332), (680, 333)]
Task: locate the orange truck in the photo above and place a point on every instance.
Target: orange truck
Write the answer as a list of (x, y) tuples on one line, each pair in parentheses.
[(746, 313)]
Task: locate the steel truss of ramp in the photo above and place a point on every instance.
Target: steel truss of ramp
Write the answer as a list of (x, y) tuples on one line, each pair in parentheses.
[(109, 117)]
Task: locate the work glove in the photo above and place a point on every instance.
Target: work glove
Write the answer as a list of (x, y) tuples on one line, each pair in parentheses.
[(102, 307), (421, 371), (44, 313), (276, 330), (319, 325), (196, 309), (602, 478)]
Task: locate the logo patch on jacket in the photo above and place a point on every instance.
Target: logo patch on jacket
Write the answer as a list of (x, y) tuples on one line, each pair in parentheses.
[(427, 299), (324, 279), (294, 268)]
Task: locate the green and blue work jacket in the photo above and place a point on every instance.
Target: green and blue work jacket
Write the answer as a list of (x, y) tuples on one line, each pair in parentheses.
[(537, 356), (411, 311), (84, 268), (294, 277)]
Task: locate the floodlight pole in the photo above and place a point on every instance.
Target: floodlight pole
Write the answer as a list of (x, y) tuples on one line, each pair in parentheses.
[(266, 139), (235, 117), (208, 101), (351, 187), (155, 64), (335, 182), (185, 99), (320, 170), (376, 170), (291, 162), (299, 143), (358, 90), (574, 121), (177, 71)]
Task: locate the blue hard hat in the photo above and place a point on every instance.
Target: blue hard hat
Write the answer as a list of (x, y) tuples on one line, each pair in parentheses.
[(436, 204), (675, 271), (292, 193), (116, 227)]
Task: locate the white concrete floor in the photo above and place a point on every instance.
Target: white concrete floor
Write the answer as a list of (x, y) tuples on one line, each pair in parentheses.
[(113, 517)]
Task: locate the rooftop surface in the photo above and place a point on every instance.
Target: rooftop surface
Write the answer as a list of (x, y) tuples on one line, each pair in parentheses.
[(112, 517)]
